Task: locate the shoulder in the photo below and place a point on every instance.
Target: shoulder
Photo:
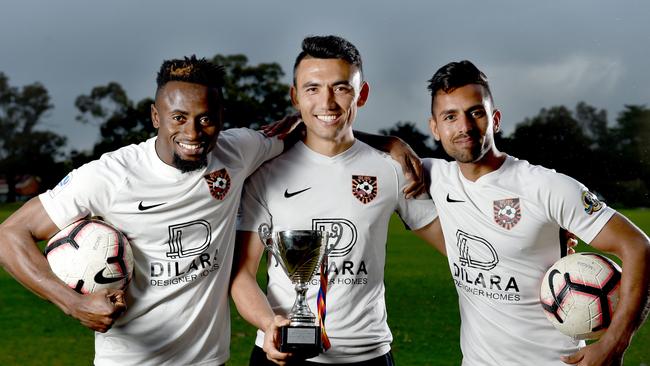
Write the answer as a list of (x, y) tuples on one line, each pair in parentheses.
[(535, 174), (437, 169), (118, 162), (239, 138), (544, 180), (128, 155), (437, 164), (369, 156)]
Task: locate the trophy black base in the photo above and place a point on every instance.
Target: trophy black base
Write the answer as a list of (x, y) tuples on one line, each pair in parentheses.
[(302, 341)]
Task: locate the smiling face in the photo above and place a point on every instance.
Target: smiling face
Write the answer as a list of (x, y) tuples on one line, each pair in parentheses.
[(465, 122), (188, 119), (327, 93)]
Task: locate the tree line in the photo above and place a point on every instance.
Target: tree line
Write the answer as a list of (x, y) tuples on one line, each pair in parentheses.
[(612, 159)]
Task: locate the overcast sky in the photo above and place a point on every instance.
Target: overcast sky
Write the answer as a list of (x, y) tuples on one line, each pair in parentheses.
[(536, 53)]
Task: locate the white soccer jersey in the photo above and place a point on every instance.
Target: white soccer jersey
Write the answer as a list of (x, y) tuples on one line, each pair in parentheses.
[(352, 195), (182, 228), (502, 234)]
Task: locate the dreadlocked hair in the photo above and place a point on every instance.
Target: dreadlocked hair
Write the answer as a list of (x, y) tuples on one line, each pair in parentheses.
[(191, 70)]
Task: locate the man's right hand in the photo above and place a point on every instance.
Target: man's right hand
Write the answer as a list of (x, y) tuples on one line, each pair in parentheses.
[(283, 127), (99, 310), (272, 341)]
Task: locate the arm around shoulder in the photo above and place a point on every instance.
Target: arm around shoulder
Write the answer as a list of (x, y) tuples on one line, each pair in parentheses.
[(401, 152)]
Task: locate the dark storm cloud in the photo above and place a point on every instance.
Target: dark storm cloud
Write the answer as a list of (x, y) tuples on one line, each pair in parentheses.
[(536, 54)]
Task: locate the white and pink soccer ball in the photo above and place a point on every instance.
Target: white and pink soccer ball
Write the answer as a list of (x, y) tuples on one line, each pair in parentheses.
[(579, 294), (90, 255)]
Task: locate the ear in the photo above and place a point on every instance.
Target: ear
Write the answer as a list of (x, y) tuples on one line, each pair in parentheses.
[(294, 97), (154, 116), (363, 95), (496, 120), (433, 126)]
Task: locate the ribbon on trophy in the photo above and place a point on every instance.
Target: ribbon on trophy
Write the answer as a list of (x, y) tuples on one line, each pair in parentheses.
[(321, 301)]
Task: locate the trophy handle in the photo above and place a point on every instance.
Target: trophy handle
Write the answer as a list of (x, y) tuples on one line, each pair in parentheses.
[(266, 235), (264, 231)]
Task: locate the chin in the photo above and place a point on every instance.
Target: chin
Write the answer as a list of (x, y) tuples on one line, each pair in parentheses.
[(186, 166)]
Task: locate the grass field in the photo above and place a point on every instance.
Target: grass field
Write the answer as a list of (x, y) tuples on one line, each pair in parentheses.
[(421, 300)]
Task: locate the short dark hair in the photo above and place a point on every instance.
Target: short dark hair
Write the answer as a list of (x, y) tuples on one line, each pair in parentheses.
[(455, 75), (329, 47), (192, 70)]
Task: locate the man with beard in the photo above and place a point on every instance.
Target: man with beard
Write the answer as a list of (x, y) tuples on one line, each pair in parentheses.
[(175, 196), (500, 217)]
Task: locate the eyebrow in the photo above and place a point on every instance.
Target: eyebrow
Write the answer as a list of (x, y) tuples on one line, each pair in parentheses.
[(336, 83), (447, 111), (455, 110)]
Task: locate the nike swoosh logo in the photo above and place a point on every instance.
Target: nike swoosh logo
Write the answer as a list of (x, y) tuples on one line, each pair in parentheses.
[(99, 278), (449, 199), (289, 195), (142, 207)]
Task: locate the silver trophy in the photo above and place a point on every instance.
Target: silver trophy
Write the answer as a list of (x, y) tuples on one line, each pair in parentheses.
[(299, 253)]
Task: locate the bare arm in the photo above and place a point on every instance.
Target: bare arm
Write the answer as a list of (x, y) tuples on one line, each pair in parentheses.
[(432, 234), (21, 257), (290, 129), (249, 299), (623, 239), (401, 152)]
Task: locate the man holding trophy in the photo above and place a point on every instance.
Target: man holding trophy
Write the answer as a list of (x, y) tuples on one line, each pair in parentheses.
[(330, 193)]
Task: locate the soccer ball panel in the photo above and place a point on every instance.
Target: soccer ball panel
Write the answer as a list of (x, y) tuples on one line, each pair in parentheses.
[(90, 255), (579, 294)]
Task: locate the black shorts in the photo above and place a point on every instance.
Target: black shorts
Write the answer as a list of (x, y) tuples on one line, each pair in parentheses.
[(258, 358)]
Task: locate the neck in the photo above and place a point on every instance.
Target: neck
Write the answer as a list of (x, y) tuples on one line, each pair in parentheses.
[(329, 147), (491, 161)]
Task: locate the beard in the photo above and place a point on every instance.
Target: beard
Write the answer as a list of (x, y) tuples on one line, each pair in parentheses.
[(473, 154), (186, 166)]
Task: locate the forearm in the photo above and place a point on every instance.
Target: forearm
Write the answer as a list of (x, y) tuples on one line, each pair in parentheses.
[(250, 301), (632, 308), (433, 235), (380, 142), (401, 152), (623, 239), (21, 258)]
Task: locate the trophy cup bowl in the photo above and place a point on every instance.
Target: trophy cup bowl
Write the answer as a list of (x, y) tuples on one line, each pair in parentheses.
[(299, 253)]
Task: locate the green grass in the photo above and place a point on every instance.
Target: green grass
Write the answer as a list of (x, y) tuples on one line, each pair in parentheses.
[(421, 300)]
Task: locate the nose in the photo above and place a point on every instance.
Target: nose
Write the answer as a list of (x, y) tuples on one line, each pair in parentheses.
[(192, 129), (328, 99), (466, 122)]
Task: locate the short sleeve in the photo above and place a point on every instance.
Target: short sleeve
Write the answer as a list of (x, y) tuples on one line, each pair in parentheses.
[(84, 191), (253, 146), (575, 208), (415, 212), (253, 209)]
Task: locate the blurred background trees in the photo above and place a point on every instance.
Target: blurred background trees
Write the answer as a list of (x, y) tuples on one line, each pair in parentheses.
[(611, 157), (25, 149)]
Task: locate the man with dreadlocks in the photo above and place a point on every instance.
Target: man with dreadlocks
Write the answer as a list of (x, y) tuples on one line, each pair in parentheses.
[(175, 196)]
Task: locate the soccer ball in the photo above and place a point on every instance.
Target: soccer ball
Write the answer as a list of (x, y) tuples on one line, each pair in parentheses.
[(90, 255), (365, 186), (579, 294)]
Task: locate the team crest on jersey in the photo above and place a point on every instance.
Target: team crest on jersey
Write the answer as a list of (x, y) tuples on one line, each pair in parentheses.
[(218, 183), (364, 188), (507, 212), (591, 202)]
